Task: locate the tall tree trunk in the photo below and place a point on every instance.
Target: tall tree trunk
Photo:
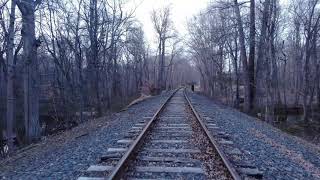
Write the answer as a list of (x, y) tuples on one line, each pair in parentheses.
[(31, 74), (161, 64), (306, 85), (236, 69), (243, 57), (314, 75), (318, 83), (261, 61), (274, 66), (79, 60), (285, 84), (159, 80), (94, 61), (298, 63), (311, 33), (252, 44), (115, 72), (11, 73), (269, 107)]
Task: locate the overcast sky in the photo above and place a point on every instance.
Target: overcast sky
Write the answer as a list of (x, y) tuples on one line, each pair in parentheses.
[(181, 11)]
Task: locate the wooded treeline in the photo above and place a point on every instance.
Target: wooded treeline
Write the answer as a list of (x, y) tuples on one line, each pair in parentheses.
[(64, 60), (264, 53)]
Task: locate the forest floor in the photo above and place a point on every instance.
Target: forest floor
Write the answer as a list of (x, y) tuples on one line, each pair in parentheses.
[(310, 132)]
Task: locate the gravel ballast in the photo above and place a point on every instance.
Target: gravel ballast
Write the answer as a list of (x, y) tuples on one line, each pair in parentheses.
[(169, 141), (277, 154), (213, 165), (66, 159)]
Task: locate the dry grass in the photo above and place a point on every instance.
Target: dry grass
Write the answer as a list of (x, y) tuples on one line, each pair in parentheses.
[(138, 100)]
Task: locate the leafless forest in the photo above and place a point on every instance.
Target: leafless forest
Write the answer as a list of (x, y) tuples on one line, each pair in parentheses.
[(262, 55), (63, 62)]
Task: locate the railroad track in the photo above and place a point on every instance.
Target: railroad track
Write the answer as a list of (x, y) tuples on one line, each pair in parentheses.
[(172, 144)]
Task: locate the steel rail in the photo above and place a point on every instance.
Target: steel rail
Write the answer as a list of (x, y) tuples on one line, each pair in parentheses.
[(222, 155), (120, 168)]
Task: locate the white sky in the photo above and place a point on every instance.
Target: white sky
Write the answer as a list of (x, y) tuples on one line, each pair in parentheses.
[(180, 12)]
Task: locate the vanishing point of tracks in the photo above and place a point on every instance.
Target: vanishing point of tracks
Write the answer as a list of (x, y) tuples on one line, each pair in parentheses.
[(174, 144)]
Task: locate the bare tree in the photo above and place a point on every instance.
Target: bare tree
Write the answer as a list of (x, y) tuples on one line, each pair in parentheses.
[(11, 74), (311, 30), (31, 75), (163, 26), (261, 57), (243, 57)]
